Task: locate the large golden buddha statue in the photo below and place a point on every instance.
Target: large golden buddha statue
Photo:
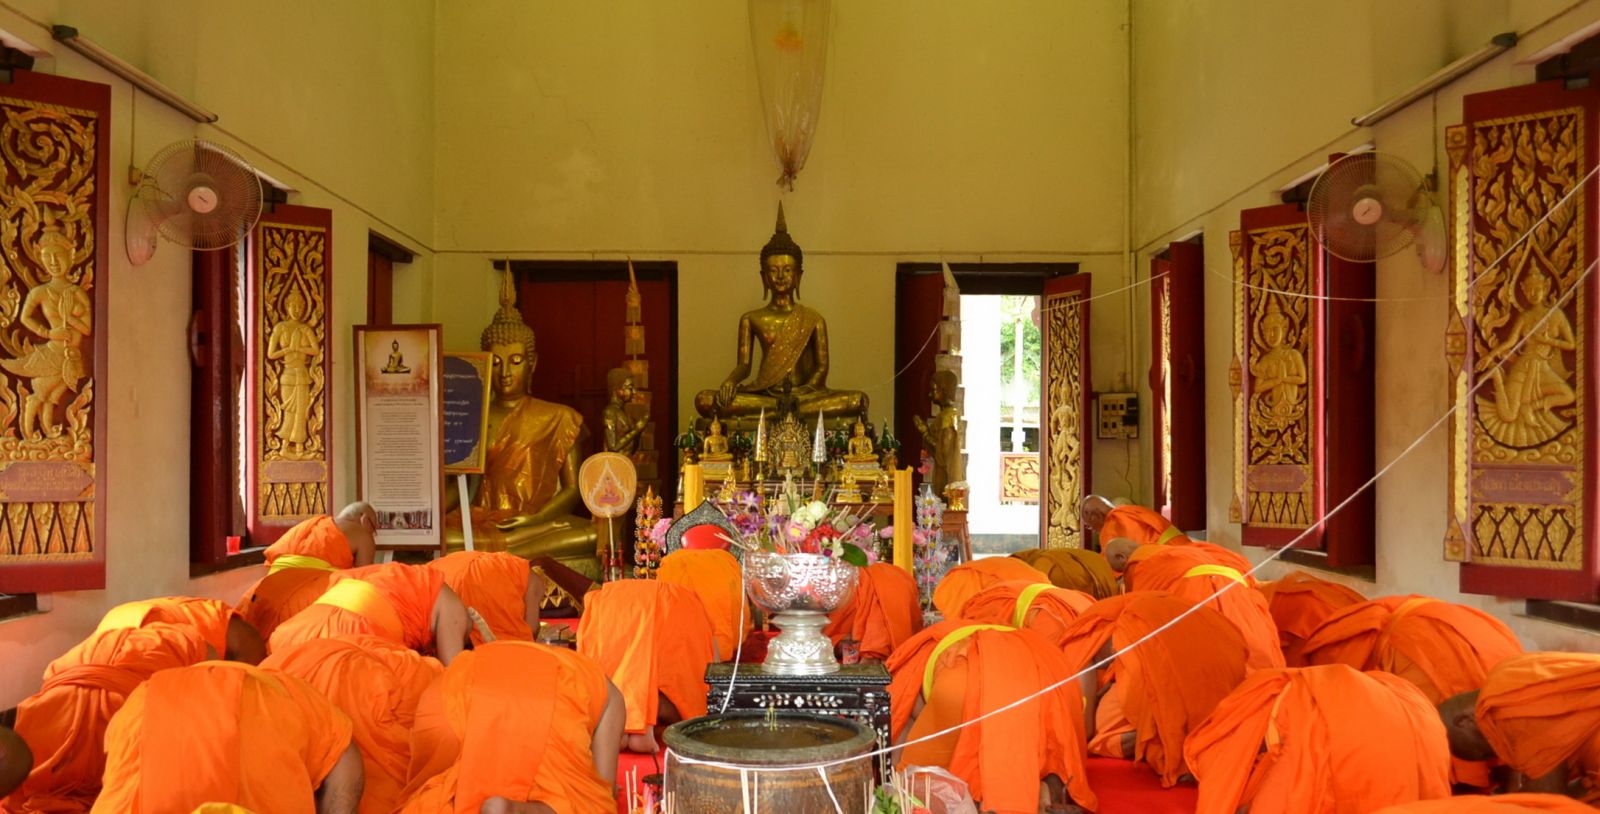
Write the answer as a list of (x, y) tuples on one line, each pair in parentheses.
[(794, 347), (529, 489)]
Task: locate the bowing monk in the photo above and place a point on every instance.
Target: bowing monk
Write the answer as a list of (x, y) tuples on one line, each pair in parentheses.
[(483, 743), (653, 639), (300, 565), (1142, 705), (1319, 740), (65, 722), (1037, 606), (1502, 804), (1540, 714), (1025, 760), (224, 732), (501, 587), (1299, 603), (884, 612), (15, 761), (377, 683), (406, 604), (1077, 569), (1107, 519), (966, 579), (714, 576), (1195, 573), (221, 626)]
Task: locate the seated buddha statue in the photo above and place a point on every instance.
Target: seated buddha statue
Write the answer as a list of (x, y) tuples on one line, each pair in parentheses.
[(859, 450), (794, 347), (525, 498), (716, 446)]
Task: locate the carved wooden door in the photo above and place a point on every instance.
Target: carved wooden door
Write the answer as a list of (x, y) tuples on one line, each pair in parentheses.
[(54, 139), (1177, 382), (1064, 410), (290, 368), (1522, 449)]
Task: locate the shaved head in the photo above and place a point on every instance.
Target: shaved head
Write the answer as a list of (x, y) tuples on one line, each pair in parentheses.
[(15, 761), (244, 642), (1459, 713), (1094, 509), (1117, 552), (359, 522)]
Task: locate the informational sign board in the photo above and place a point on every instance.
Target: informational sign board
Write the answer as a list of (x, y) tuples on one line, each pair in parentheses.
[(400, 432), (466, 412)]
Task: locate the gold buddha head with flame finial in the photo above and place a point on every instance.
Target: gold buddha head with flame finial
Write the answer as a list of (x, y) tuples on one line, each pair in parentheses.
[(294, 305), (1274, 326), (511, 343), (55, 250), (782, 261)]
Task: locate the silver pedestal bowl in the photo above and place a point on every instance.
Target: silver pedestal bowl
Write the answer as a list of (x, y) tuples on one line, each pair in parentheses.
[(799, 591)]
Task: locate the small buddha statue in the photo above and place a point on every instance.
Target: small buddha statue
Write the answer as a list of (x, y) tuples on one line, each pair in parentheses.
[(716, 446), (942, 435), (524, 500), (794, 348), (397, 360), (859, 449), (622, 432)]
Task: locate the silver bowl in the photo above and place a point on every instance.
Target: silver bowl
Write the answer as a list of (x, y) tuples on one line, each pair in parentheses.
[(799, 591)]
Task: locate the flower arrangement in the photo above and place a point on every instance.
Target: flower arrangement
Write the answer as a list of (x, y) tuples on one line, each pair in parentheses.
[(930, 554), (649, 533), (786, 525)]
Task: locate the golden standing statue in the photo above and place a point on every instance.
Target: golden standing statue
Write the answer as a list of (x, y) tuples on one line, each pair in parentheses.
[(622, 432), (61, 312), (1276, 378), (294, 343), (529, 487), (794, 347), (942, 435)]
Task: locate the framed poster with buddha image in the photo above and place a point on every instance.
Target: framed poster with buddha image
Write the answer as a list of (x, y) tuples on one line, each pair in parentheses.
[(399, 391)]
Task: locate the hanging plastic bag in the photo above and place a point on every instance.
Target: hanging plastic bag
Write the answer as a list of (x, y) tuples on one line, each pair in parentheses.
[(790, 38)]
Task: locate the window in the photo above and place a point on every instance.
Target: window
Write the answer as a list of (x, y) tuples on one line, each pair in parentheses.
[(218, 407), (383, 255)]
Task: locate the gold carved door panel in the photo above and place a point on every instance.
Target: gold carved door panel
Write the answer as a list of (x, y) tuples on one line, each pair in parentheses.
[(1064, 440)]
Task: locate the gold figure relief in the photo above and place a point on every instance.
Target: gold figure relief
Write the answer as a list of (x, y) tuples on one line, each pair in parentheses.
[(1165, 474), (1064, 379), (292, 308), (47, 324), (1241, 422), (1278, 429), (1460, 217)]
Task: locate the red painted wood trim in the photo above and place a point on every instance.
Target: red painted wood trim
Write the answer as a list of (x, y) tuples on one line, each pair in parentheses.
[(212, 406), (1160, 292), (919, 307), (380, 289), (1186, 265), (1350, 440)]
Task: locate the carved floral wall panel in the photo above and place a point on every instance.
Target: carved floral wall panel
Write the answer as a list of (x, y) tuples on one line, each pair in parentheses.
[(1064, 440), (53, 141)]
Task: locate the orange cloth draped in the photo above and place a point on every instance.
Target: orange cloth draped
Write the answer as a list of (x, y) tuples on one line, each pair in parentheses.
[(1141, 525), (1335, 740), (652, 639), (1299, 602), (221, 731), (967, 579), (1044, 609), (1196, 573), (1002, 758), (884, 612), (1503, 804), (495, 584), (1443, 648), (1078, 569), (714, 576), (64, 724), (491, 738), (209, 616), (276, 598), (1542, 710), (319, 537), (399, 608), (1163, 687), (376, 683)]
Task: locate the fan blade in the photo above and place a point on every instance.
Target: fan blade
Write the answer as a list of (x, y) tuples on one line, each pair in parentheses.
[(139, 234)]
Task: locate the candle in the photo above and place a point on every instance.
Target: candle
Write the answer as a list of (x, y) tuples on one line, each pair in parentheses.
[(819, 445), (761, 436), (694, 487), (902, 519)]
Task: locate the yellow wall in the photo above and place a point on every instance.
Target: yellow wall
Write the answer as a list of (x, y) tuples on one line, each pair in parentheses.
[(333, 99), (1233, 101)]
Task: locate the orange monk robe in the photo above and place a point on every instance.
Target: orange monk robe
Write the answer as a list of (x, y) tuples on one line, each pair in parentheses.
[(1542, 710), (65, 722), (221, 731), (1044, 609), (377, 684), (714, 576), (976, 670), (1164, 686), (1078, 569), (652, 639), (495, 584), (1444, 648), (1195, 573), (300, 566), (965, 580), (1319, 740), (209, 616), (884, 612), (1502, 804), (392, 601), (1299, 603), (489, 737), (1141, 525)]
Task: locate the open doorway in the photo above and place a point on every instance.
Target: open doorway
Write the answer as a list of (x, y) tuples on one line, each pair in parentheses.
[(1000, 356)]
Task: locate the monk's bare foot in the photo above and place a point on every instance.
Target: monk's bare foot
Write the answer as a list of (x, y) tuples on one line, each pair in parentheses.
[(642, 742)]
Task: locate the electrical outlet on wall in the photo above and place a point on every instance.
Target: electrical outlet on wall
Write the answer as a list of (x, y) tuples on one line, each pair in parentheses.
[(1117, 415)]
